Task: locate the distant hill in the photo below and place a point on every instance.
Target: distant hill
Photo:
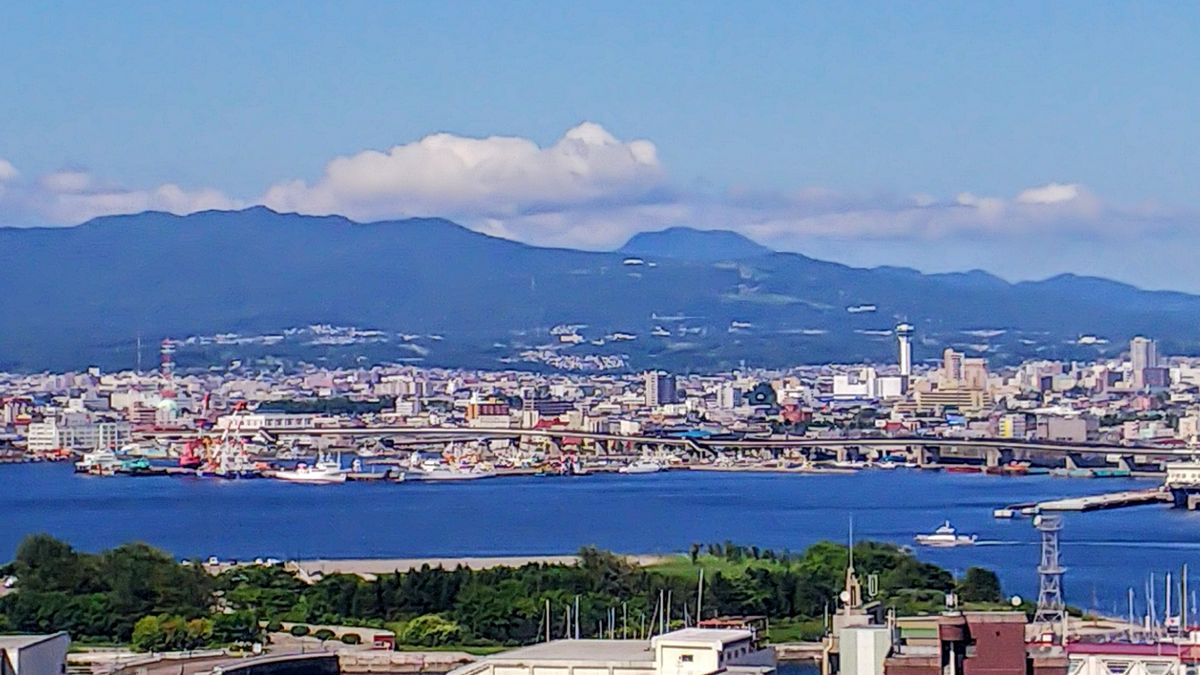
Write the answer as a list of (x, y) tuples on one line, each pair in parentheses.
[(75, 296), (685, 243)]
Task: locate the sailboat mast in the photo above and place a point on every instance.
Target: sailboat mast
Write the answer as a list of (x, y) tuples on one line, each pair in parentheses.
[(1131, 605), (1167, 602), (1183, 600)]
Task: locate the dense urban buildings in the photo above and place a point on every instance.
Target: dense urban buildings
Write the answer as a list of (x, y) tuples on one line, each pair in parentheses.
[(1142, 398)]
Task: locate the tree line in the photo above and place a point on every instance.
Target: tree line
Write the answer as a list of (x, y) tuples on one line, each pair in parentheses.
[(137, 594)]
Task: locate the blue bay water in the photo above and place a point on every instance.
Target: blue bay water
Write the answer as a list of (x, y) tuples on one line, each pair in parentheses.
[(1106, 552)]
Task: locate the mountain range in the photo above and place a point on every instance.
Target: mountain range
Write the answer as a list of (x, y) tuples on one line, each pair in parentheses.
[(437, 293)]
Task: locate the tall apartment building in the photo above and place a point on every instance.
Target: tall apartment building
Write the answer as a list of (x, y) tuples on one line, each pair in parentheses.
[(1143, 354), (952, 366), (660, 388)]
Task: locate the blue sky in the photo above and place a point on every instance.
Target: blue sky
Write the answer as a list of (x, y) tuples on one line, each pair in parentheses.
[(867, 132)]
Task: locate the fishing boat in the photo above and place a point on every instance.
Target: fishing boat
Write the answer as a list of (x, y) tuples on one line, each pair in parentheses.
[(641, 466), (945, 537), (325, 471)]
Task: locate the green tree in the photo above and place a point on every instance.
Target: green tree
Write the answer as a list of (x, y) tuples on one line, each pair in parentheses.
[(148, 635), (198, 633), (45, 564), (239, 627), (979, 585), (430, 630)]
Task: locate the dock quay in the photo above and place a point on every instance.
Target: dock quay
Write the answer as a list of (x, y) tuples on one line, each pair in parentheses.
[(1112, 500)]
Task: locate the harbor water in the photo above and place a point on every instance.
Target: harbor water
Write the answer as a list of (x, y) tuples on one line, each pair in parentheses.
[(1106, 552)]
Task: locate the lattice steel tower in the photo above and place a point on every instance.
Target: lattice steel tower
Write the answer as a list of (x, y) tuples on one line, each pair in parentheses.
[(1051, 609)]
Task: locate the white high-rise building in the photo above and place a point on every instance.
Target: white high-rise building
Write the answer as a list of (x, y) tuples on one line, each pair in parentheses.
[(1143, 355), (904, 334)]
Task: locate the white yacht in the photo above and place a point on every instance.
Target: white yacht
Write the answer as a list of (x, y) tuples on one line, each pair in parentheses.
[(100, 463), (326, 470), (641, 466), (945, 536)]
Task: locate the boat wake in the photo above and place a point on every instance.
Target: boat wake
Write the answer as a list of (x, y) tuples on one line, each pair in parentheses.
[(1119, 543)]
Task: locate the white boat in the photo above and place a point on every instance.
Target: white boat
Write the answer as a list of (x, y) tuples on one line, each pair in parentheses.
[(449, 473), (326, 470), (641, 466), (848, 465), (945, 536), (436, 469), (100, 463)]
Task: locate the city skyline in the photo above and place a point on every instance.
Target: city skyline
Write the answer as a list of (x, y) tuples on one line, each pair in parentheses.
[(1052, 142), (707, 338)]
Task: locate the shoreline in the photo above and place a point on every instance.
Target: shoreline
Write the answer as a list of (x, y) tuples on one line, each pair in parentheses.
[(370, 567), (389, 565)]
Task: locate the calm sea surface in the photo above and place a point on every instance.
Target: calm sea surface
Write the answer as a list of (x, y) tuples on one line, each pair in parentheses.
[(1106, 552)]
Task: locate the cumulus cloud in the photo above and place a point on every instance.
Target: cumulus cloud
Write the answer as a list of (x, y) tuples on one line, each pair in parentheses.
[(480, 178), (72, 196)]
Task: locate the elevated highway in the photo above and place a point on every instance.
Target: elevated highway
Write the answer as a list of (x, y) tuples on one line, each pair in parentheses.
[(920, 448)]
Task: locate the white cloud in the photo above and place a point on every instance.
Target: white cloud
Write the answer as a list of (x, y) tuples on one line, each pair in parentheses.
[(479, 178), (592, 190), (8, 172), (1053, 193), (81, 204), (72, 196), (66, 182)]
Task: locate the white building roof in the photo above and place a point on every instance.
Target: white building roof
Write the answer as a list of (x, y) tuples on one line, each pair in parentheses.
[(613, 652), (714, 637)]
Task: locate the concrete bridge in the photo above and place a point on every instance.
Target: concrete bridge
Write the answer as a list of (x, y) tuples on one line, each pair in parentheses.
[(992, 452)]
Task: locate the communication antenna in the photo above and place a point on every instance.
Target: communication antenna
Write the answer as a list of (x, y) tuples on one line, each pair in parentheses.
[(1051, 609)]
